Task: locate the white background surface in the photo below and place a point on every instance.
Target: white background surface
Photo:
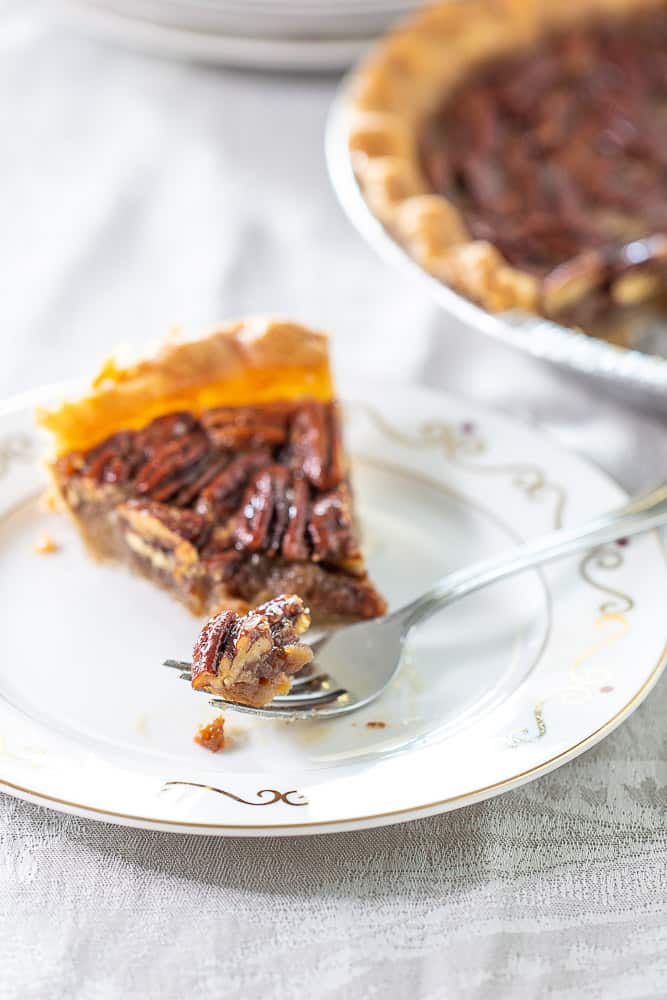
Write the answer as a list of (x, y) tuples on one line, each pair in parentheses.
[(135, 194)]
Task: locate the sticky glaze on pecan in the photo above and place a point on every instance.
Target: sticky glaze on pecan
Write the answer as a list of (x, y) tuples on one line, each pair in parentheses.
[(331, 529), (314, 447), (172, 465), (221, 496), (237, 427), (186, 524)]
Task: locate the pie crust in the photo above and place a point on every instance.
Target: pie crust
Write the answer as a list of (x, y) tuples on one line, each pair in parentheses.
[(405, 78)]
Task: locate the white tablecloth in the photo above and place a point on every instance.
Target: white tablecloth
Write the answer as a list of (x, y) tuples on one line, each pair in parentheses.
[(136, 194)]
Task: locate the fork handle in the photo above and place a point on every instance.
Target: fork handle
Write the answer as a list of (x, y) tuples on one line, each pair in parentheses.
[(640, 514)]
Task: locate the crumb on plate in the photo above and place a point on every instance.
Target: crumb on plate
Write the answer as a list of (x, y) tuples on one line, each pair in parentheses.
[(211, 735), (50, 502), (45, 544), (376, 725)]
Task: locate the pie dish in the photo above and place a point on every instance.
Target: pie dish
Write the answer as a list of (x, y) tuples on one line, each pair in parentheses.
[(515, 148), (251, 658), (216, 469)]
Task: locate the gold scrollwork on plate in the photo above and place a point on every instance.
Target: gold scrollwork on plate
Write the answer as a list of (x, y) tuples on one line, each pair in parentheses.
[(612, 625), (16, 447), (462, 445), (606, 557), (525, 735), (276, 796)]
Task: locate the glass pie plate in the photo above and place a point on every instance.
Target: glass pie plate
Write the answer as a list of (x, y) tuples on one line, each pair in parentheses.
[(636, 370)]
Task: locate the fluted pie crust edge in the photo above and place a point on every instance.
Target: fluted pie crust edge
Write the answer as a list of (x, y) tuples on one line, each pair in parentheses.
[(406, 77)]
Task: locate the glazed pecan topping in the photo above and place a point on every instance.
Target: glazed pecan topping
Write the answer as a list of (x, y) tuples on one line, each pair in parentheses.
[(220, 496), (187, 524), (252, 528), (331, 529), (113, 460), (236, 427), (295, 546), (164, 429), (191, 491), (283, 497), (561, 150), (172, 466), (211, 642), (315, 445), (278, 517), (281, 481)]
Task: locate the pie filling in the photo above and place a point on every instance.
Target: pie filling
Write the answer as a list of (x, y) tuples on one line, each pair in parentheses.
[(250, 659), (558, 157), (232, 506)]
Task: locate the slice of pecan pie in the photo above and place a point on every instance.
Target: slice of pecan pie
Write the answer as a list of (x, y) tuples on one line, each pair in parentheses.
[(216, 469), (251, 658), (517, 149)]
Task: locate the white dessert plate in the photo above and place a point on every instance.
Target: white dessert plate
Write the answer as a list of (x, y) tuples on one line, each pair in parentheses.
[(494, 692)]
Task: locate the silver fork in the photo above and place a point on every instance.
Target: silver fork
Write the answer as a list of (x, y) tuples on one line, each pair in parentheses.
[(354, 664)]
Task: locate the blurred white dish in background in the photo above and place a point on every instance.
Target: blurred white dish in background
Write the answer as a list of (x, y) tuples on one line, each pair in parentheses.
[(266, 34)]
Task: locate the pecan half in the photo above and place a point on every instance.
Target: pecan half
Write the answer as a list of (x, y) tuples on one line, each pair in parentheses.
[(172, 465), (254, 518), (164, 429), (210, 644), (294, 544), (273, 517), (309, 442), (281, 481), (185, 524), (190, 491), (331, 529), (220, 497), (237, 427), (315, 444), (112, 460)]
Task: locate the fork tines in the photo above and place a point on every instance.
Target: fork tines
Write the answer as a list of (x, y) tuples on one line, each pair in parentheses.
[(309, 690)]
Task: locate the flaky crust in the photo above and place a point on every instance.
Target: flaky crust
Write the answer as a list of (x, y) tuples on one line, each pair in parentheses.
[(405, 77), (251, 360)]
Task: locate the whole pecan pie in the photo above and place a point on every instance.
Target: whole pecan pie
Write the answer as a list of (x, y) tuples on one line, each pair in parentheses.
[(216, 468), (517, 148)]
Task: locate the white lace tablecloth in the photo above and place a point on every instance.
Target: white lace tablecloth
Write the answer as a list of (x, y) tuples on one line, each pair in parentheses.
[(135, 194)]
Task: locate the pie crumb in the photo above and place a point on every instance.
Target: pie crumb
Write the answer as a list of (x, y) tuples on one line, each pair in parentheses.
[(211, 735), (50, 502), (376, 725), (45, 545)]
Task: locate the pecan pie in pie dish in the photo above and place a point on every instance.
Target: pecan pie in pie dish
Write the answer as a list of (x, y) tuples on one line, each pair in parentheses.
[(517, 149), (216, 469), (251, 658)]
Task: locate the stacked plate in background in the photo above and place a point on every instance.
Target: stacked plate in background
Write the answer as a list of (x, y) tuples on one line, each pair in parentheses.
[(272, 34)]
